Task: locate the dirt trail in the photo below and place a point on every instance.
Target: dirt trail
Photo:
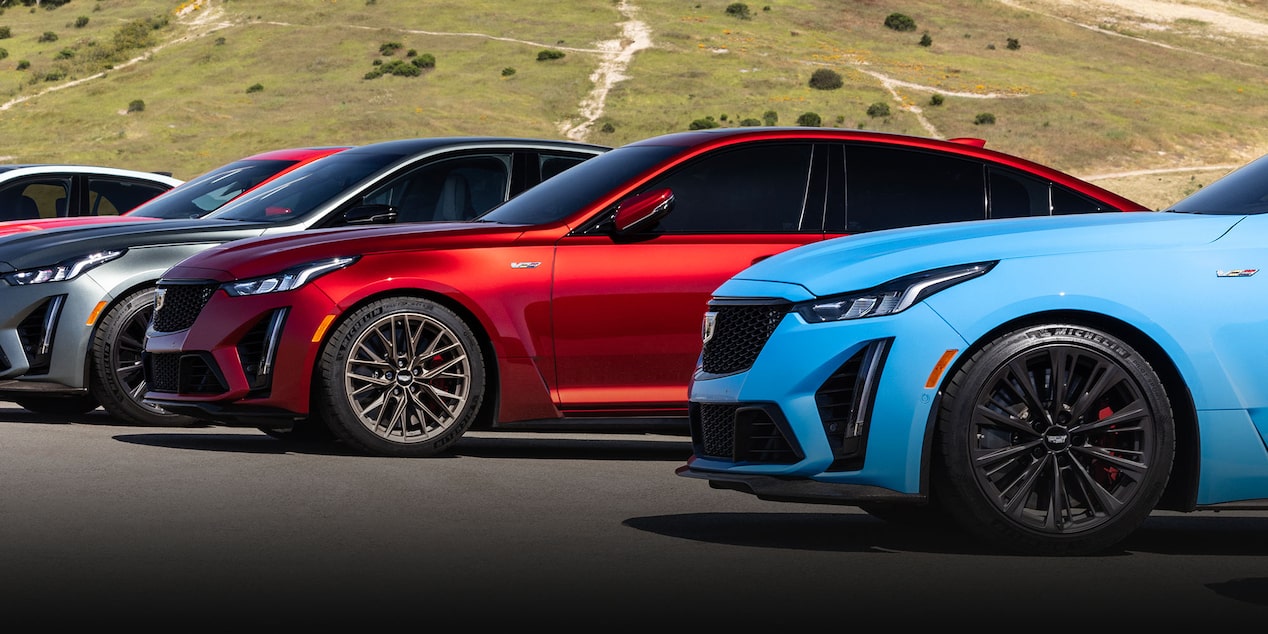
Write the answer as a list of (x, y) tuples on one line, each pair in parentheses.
[(616, 57)]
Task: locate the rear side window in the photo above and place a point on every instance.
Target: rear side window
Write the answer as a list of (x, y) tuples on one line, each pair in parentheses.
[(757, 189), (1016, 195), (889, 187), (1066, 201), (111, 197)]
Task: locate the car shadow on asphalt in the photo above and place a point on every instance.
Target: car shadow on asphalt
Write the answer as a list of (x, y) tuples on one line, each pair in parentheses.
[(488, 445), (1200, 534)]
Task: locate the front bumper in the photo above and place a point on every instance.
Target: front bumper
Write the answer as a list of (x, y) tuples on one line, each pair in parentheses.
[(245, 361), (783, 400)]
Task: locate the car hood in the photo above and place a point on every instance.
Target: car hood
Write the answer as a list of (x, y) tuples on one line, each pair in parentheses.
[(23, 226), (860, 261), (24, 250), (267, 255)]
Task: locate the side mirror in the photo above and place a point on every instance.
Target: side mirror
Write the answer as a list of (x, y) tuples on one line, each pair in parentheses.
[(641, 211), (370, 215)]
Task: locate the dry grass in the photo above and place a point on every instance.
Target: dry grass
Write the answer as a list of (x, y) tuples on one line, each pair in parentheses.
[(1089, 93)]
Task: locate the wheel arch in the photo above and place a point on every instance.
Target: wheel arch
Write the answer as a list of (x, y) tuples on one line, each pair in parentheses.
[(1182, 486), (117, 298)]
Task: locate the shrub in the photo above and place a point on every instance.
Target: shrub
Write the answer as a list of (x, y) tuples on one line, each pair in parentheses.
[(136, 105), (900, 22), (703, 124), (65, 53), (411, 53), (388, 49), (878, 109), (608, 128), (402, 68), (1013, 44), (936, 100), (549, 54), (770, 117), (925, 40), (48, 36), (255, 88), (825, 79), (809, 120), (5, 33), (984, 118), (738, 10), (220, 41), (750, 122), (81, 21), (24, 64), (4, 52), (425, 61), (508, 71)]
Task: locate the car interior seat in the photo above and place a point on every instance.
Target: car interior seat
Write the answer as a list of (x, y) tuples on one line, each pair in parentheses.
[(19, 208), (455, 199)]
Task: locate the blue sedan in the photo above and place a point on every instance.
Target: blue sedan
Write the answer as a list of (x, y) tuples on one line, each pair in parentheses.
[(1044, 383)]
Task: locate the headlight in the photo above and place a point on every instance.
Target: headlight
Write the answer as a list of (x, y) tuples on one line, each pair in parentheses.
[(62, 271), (287, 280), (889, 298)]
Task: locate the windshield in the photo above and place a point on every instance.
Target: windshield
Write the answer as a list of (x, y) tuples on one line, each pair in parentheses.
[(563, 195), (299, 193), (208, 192), (1242, 191)]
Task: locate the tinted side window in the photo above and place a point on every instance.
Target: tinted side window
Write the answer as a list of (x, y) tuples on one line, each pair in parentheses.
[(1066, 201), (1014, 195), (45, 198), (108, 197), (897, 187), (552, 164), (452, 189), (756, 189)]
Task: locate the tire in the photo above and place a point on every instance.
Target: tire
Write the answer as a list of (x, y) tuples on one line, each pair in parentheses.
[(373, 407), (1054, 440), (116, 378), (58, 405)]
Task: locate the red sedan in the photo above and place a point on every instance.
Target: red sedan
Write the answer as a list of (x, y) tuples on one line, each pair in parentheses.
[(576, 302)]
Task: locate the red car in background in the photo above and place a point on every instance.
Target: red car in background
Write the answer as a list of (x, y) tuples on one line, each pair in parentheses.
[(193, 198), (578, 301)]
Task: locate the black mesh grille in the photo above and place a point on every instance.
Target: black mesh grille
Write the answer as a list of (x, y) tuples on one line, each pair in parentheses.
[(162, 370), (740, 433), (717, 430), (181, 305), (181, 374), (738, 335)]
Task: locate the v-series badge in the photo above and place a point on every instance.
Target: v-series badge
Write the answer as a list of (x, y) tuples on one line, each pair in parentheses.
[(525, 265)]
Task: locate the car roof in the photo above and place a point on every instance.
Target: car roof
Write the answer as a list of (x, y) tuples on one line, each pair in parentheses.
[(296, 153), (414, 146), (26, 169)]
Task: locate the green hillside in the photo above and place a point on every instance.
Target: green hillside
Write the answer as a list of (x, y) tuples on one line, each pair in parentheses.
[(1096, 88)]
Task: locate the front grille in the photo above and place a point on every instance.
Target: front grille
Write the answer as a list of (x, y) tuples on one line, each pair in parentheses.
[(750, 433), (179, 373), (162, 370), (739, 333), (181, 304)]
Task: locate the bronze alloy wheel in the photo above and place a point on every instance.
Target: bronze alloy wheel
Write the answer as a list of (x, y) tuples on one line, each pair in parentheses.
[(409, 378)]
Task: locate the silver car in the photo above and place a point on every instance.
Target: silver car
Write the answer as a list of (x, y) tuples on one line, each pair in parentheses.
[(75, 302)]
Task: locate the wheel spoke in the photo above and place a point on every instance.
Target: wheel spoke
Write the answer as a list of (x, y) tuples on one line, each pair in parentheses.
[(1021, 376), (408, 378)]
